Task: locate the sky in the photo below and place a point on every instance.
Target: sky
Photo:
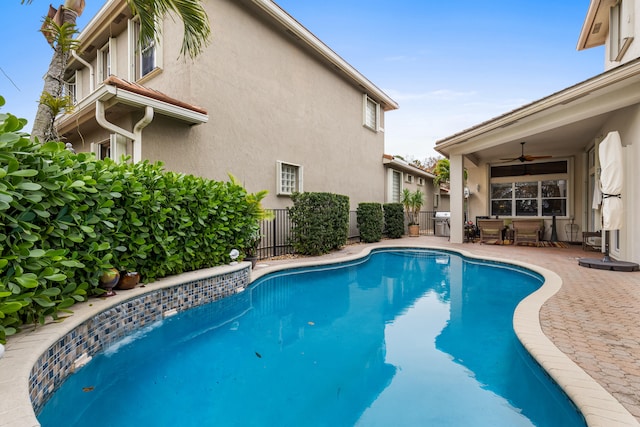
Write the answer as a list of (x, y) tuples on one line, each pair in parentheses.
[(448, 67)]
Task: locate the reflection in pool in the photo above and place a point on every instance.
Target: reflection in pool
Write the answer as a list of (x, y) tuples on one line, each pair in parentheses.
[(403, 338)]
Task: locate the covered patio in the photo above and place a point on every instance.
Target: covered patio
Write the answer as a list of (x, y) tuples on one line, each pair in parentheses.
[(561, 134)]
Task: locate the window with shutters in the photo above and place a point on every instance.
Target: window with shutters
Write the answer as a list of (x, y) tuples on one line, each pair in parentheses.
[(371, 112)]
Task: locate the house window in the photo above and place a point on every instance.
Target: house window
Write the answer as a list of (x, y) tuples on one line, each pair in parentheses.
[(409, 178), (113, 148), (104, 62), (529, 198), (371, 113), (619, 39), (420, 181), (145, 57), (530, 189), (70, 90), (101, 149), (396, 187), (289, 178)]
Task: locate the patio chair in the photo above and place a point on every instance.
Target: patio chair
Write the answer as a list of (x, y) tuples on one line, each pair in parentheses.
[(490, 229), (527, 231)]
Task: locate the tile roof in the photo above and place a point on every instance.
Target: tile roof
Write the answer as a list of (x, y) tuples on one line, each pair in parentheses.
[(150, 93)]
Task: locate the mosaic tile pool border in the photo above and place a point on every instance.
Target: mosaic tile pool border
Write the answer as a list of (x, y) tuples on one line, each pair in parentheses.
[(108, 326)]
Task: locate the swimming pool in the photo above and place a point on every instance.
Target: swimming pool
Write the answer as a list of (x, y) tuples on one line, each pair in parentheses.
[(402, 337)]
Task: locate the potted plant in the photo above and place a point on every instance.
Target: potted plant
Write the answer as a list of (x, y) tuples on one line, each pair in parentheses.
[(412, 204), (251, 249), (128, 279)]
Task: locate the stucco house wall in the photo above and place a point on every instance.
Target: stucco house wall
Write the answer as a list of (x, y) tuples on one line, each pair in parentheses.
[(269, 96)]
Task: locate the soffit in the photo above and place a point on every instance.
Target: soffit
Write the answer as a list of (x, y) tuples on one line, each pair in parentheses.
[(596, 24), (110, 20)]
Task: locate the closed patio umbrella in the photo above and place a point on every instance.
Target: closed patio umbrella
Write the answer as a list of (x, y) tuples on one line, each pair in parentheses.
[(611, 179)]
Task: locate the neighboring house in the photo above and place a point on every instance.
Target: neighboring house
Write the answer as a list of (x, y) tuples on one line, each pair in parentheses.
[(568, 126), (266, 101), (401, 175)]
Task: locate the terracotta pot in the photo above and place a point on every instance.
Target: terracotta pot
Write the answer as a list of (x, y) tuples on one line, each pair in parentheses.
[(128, 280), (252, 259), (414, 230)]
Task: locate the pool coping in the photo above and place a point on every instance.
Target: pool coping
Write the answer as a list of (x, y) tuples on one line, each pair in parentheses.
[(599, 407), (24, 350)]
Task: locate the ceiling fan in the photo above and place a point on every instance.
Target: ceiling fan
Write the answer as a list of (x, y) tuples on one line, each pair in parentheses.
[(526, 157)]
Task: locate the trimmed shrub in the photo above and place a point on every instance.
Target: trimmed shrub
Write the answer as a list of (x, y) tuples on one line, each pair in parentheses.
[(66, 218), (320, 222), (370, 222), (393, 220)]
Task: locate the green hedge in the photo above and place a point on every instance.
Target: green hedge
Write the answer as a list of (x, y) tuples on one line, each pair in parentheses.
[(393, 220), (370, 222), (66, 218), (320, 222)]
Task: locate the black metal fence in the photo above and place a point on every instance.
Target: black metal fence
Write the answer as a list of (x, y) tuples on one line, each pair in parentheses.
[(276, 233)]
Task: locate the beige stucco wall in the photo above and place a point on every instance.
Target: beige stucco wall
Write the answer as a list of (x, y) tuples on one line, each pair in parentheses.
[(267, 100)]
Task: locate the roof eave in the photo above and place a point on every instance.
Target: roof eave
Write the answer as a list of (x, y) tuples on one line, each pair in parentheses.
[(596, 24), (563, 97), (404, 166), (117, 95)]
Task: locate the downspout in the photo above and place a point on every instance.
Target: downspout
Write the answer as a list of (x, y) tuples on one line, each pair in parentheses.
[(135, 136), (89, 66)]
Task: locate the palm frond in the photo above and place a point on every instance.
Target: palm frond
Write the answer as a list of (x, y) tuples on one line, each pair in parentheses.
[(191, 13)]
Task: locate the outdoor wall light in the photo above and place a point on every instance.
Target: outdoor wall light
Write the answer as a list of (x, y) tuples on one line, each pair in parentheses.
[(234, 254)]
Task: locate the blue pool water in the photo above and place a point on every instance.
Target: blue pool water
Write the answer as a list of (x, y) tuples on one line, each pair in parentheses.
[(402, 338)]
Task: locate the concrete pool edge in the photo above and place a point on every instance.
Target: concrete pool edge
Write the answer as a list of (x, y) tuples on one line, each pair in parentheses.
[(27, 349), (597, 405)]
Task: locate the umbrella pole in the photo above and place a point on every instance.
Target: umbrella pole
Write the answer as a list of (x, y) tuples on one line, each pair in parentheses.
[(606, 247)]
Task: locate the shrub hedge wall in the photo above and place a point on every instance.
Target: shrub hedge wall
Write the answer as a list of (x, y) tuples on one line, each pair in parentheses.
[(65, 218), (320, 222), (393, 220), (370, 222)]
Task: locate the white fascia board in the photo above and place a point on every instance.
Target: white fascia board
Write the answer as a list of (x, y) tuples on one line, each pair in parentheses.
[(114, 95), (316, 44), (406, 167), (159, 107)]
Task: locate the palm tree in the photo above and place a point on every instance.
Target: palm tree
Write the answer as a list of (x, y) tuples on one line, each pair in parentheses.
[(442, 170), (59, 29)]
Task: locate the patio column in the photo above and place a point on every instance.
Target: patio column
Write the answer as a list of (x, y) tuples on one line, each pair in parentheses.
[(456, 197)]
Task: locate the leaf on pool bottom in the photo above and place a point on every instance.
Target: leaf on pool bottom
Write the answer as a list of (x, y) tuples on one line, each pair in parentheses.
[(259, 355), (88, 389)]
